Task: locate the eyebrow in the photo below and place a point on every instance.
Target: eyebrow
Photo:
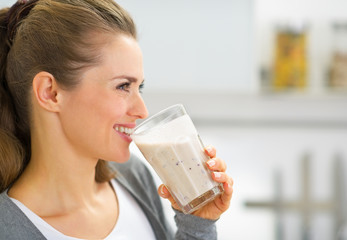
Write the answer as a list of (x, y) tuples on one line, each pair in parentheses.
[(130, 79)]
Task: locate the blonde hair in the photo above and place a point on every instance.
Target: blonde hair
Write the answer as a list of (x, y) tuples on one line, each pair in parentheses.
[(52, 36)]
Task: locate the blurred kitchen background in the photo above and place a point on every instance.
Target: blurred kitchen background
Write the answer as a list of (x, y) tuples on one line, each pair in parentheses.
[(265, 82)]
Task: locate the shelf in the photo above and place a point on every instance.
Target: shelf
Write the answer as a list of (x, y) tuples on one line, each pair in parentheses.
[(275, 109)]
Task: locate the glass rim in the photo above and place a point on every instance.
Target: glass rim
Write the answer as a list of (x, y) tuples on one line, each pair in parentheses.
[(160, 118)]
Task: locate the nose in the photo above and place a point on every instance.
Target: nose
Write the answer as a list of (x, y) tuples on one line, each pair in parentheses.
[(139, 109)]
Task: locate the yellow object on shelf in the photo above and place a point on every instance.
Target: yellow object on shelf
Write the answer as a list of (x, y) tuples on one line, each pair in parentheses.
[(290, 65)]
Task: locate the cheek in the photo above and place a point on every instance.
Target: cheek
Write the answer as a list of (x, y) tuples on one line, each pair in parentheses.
[(105, 110), (76, 118), (96, 116), (91, 119)]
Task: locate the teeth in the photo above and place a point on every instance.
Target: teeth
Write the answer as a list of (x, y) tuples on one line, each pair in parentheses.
[(125, 130)]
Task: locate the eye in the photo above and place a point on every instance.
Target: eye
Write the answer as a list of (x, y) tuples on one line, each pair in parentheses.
[(141, 87), (124, 86)]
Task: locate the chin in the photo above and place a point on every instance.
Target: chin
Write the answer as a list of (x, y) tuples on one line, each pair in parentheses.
[(120, 157)]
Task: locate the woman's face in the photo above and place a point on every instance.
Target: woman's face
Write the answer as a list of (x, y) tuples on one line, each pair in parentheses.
[(97, 115)]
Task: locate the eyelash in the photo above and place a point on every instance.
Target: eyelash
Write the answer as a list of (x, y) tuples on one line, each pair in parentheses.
[(141, 87), (126, 87)]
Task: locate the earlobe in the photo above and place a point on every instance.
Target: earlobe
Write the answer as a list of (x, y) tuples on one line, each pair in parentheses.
[(45, 90)]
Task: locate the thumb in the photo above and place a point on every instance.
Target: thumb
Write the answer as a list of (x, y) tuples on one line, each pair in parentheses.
[(164, 193)]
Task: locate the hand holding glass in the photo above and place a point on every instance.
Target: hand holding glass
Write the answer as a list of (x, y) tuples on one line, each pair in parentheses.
[(170, 143)]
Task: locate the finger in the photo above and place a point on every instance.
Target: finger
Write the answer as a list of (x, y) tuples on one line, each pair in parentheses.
[(164, 193), (221, 177), (223, 201), (210, 151), (228, 191), (217, 164)]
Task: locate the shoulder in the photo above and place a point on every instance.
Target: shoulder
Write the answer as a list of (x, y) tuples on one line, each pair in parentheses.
[(13, 222), (138, 180), (134, 170), (136, 177), (8, 212)]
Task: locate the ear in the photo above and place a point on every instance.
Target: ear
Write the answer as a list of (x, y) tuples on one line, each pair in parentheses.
[(46, 91)]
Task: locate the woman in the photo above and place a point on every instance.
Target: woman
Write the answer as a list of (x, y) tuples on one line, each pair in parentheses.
[(71, 74)]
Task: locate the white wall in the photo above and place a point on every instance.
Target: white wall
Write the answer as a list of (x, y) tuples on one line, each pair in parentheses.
[(7, 3), (196, 44)]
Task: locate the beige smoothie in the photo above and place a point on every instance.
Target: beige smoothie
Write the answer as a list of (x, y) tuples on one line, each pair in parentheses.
[(176, 154)]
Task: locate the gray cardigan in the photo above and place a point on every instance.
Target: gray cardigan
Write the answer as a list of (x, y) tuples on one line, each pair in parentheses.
[(137, 179)]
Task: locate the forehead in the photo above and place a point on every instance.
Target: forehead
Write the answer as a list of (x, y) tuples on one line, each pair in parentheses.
[(118, 55), (121, 51)]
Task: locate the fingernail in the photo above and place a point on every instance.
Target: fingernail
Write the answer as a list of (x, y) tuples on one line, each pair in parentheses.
[(217, 175), (208, 149), (162, 190), (211, 163)]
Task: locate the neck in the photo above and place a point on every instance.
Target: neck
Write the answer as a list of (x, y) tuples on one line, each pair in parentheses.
[(64, 178), (66, 174)]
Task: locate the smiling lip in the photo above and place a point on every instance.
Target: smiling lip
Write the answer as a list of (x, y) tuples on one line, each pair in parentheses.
[(124, 130)]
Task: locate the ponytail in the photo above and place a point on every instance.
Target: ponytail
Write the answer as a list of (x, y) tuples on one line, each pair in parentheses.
[(11, 150)]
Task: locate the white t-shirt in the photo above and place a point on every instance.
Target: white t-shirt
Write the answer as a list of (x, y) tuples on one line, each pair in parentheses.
[(130, 215)]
